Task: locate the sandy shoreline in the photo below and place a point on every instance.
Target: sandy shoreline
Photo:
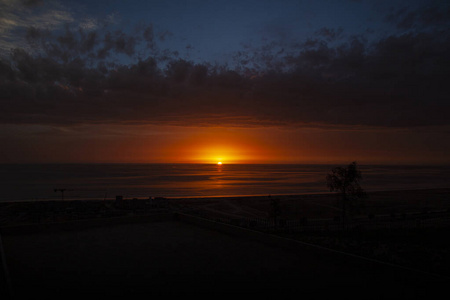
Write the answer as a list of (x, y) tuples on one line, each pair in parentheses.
[(318, 205), (375, 192)]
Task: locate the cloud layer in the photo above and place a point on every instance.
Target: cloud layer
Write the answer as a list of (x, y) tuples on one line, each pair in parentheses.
[(87, 75)]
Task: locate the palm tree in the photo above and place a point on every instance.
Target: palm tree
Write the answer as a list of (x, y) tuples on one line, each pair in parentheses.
[(345, 181)]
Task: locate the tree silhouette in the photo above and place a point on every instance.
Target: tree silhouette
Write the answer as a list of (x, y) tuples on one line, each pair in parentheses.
[(346, 182)]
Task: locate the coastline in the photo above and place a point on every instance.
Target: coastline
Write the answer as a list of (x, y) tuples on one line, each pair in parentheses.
[(229, 197), (309, 205)]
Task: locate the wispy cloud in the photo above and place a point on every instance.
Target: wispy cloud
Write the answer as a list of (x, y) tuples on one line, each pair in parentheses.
[(17, 16)]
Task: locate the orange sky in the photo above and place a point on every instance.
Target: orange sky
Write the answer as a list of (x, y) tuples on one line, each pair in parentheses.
[(275, 145), (173, 144)]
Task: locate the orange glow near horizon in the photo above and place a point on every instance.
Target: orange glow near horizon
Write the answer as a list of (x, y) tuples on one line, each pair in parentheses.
[(210, 145), (234, 153), (213, 145)]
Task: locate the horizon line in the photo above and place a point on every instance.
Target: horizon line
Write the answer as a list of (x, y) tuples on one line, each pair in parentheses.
[(225, 164)]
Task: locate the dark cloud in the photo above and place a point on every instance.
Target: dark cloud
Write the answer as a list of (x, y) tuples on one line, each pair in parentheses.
[(92, 77), (425, 16), (330, 34), (32, 3)]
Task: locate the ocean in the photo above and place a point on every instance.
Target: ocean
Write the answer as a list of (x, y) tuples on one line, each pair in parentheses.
[(106, 181)]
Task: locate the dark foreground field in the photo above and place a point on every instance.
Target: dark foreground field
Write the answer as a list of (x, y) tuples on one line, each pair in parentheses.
[(175, 258), (406, 228), (105, 249)]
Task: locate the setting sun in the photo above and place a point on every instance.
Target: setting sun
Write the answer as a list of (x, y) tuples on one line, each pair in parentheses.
[(219, 163)]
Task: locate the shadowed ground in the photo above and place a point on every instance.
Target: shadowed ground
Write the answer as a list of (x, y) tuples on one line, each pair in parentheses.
[(170, 257)]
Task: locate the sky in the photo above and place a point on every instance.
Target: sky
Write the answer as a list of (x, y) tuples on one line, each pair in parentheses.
[(233, 81)]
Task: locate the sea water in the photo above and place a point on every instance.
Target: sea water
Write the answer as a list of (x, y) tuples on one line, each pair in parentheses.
[(106, 181)]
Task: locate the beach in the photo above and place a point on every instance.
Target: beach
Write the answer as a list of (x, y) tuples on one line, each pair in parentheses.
[(317, 205), (294, 207)]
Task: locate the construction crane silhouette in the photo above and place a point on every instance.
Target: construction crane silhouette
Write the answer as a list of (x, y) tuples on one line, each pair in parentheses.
[(62, 192)]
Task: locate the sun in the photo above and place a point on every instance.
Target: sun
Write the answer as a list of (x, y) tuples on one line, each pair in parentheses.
[(219, 163)]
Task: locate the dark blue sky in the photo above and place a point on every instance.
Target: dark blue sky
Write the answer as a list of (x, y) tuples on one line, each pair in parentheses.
[(214, 30)]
